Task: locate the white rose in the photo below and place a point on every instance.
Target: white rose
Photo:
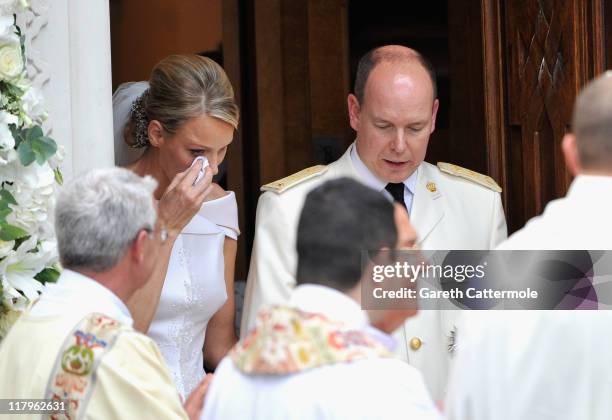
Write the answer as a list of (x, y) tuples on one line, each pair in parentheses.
[(10, 7), (11, 62)]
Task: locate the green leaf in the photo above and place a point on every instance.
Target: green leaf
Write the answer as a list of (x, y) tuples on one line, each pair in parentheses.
[(13, 92), (26, 154), (19, 241), (3, 213), (43, 148), (7, 196), (14, 130), (33, 133), (48, 275), (59, 178), (17, 134), (34, 146), (10, 232), (22, 41)]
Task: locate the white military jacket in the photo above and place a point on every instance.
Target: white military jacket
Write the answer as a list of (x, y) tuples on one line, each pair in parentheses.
[(448, 212)]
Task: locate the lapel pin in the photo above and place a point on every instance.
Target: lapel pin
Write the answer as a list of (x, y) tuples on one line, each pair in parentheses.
[(431, 187)]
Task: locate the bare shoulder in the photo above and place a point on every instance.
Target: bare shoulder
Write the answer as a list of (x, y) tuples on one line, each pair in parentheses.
[(215, 192)]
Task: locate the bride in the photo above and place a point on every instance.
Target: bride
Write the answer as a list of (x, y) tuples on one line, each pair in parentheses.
[(186, 110)]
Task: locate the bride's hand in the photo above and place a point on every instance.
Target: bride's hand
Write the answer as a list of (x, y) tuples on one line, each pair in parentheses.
[(195, 402), (182, 199)]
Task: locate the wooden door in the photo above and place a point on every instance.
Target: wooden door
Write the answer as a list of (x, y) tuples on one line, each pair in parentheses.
[(547, 50), (509, 74), (287, 60)]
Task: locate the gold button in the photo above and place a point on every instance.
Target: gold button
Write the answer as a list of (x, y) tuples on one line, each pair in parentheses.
[(415, 343)]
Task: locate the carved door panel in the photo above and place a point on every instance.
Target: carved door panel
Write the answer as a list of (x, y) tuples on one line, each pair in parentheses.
[(550, 48)]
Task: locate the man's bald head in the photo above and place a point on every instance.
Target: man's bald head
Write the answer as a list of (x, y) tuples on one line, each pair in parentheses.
[(592, 124), (395, 54)]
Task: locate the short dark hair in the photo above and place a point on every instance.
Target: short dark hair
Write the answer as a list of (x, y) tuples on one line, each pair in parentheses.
[(341, 219), (377, 55)]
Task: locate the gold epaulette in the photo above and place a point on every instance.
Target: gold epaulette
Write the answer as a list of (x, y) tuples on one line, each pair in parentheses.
[(287, 182), (485, 181)]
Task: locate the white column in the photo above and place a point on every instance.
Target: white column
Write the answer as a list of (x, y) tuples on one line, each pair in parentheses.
[(69, 56), (91, 84)]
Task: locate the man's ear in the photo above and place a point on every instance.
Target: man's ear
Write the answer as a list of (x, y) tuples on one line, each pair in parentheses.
[(354, 110), (156, 133), (138, 248), (434, 114), (570, 153)]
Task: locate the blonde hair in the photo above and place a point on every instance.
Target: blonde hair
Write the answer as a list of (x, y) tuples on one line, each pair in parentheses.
[(182, 87)]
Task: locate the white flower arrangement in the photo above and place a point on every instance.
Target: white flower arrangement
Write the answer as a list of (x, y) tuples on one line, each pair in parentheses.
[(29, 170), (11, 7)]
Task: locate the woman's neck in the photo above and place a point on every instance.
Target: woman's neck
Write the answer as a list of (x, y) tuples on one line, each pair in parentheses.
[(148, 164)]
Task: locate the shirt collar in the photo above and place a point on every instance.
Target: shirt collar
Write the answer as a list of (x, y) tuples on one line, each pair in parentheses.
[(589, 185), (337, 306), (372, 180), (383, 338), (326, 301), (76, 291)]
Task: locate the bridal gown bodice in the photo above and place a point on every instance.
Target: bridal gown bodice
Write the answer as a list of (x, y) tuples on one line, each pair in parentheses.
[(194, 289)]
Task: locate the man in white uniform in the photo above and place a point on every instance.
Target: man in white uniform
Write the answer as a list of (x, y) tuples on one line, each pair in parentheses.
[(393, 112), (549, 364), (316, 357), (77, 344)]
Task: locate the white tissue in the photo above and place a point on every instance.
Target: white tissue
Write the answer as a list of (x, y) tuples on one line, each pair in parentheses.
[(204, 165)]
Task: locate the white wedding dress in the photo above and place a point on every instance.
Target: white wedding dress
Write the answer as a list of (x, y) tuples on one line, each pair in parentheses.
[(194, 290)]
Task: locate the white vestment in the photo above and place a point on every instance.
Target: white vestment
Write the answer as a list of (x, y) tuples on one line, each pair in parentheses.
[(538, 365), (131, 379), (374, 388)]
